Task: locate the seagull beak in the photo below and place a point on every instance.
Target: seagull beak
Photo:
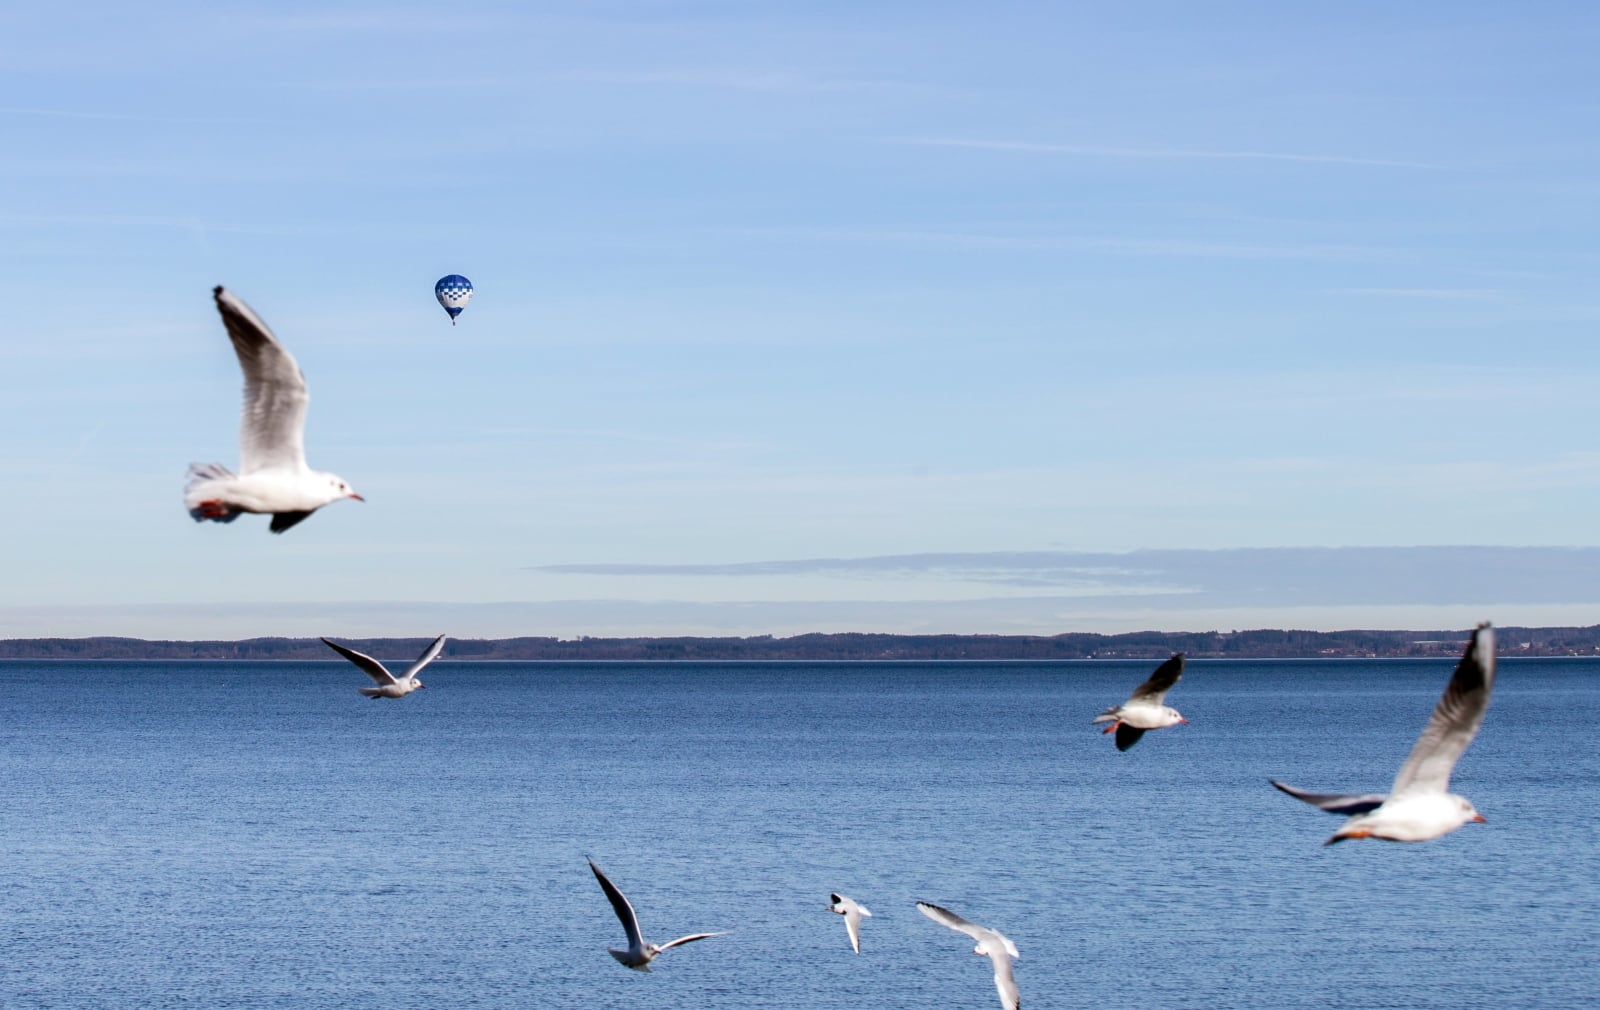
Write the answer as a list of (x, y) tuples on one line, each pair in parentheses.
[(1479, 818), (356, 496)]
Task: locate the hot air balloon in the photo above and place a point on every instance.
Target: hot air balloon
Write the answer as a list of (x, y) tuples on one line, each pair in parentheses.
[(453, 292)]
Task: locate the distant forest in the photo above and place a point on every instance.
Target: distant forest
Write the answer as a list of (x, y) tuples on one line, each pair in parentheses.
[(852, 646)]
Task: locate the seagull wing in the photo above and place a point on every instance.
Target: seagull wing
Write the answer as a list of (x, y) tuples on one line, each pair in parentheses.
[(428, 655), (1154, 690), (949, 919), (1455, 721), (284, 520), (625, 914), (369, 666), (1333, 803), (852, 925), (691, 938), (272, 430), (1004, 980), (1127, 736)]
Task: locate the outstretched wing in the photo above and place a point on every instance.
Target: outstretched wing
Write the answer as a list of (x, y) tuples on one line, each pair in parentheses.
[(369, 666), (625, 913), (283, 520), (1005, 981), (272, 430), (1454, 723), (949, 919), (1334, 803), (691, 938), (428, 655), (1127, 735), (1154, 690)]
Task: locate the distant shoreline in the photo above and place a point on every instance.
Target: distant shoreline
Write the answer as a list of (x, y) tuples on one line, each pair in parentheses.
[(1255, 644)]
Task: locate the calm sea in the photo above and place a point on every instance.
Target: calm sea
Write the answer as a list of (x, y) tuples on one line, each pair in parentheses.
[(259, 835)]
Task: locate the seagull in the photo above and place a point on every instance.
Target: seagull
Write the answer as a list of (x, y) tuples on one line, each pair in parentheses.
[(274, 477), (639, 953), (853, 914), (1419, 806), (996, 947), (1144, 709), (389, 686)]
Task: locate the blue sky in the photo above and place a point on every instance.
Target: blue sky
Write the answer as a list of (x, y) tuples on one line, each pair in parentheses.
[(765, 282)]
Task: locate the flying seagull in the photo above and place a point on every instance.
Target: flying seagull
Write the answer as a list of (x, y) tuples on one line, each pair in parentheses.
[(389, 686), (853, 914), (1144, 709), (639, 953), (273, 475), (1420, 806), (991, 944)]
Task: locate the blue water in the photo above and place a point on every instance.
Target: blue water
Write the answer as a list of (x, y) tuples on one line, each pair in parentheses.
[(258, 835)]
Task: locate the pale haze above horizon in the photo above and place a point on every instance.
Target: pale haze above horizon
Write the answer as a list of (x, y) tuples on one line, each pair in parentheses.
[(809, 317)]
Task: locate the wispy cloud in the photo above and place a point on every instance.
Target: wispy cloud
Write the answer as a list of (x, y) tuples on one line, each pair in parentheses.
[(189, 224), (1156, 154), (1261, 577), (769, 81), (409, 84), (124, 117), (1440, 294), (1121, 246)]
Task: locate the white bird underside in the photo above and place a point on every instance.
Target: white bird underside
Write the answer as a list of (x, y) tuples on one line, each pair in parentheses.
[(639, 953), (996, 946), (273, 477), (853, 913), (1419, 806)]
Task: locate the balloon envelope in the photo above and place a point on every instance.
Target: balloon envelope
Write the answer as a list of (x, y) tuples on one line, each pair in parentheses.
[(453, 292)]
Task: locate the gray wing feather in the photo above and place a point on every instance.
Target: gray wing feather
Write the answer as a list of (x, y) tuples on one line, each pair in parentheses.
[(1006, 982), (428, 655), (1155, 689), (1333, 803), (1454, 723), (272, 429), (369, 666), (950, 920), (625, 913), (691, 938)]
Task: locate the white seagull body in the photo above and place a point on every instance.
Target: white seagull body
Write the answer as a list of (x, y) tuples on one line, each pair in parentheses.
[(991, 944), (1145, 708), (273, 477), (853, 914), (388, 685), (639, 953), (1420, 806)]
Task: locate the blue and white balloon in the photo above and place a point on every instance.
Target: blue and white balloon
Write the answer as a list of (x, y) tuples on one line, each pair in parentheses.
[(453, 292)]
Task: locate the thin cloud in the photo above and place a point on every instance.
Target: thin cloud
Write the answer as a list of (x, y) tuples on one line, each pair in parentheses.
[(1262, 577), (409, 84), (1157, 154), (123, 117), (1154, 247), (740, 80), (1441, 294)]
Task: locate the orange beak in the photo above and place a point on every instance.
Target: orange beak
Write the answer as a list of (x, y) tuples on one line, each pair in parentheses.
[(1479, 818), (356, 496)]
